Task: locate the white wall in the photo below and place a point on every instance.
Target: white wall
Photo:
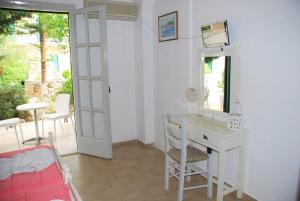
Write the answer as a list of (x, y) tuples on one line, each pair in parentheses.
[(144, 72), (173, 65), (121, 65), (139, 77), (267, 34)]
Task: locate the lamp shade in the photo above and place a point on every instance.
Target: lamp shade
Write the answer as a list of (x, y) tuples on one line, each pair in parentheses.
[(191, 94)]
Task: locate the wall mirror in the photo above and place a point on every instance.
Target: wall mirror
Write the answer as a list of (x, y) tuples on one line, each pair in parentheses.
[(215, 34), (217, 81)]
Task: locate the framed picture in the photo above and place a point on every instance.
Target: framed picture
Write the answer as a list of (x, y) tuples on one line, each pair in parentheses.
[(168, 27)]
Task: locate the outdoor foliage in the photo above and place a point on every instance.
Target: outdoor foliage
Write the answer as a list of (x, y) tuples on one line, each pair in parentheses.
[(11, 95), (48, 26), (67, 87), (55, 26), (13, 70), (13, 64), (8, 18), (14, 60)]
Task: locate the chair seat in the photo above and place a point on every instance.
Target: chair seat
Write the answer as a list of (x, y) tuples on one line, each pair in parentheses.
[(193, 154), (54, 116), (10, 122)]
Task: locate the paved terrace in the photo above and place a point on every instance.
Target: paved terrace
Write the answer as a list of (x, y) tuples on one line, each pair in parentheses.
[(65, 142)]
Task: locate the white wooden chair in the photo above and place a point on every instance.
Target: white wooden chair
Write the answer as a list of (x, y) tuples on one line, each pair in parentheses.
[(62, 111), (13, 122), (179, 156)]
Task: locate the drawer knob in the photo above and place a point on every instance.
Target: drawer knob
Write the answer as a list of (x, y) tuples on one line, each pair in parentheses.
[(205, 137)]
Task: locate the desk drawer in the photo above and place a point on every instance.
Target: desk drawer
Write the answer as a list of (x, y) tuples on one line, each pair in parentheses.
[(205, 138)]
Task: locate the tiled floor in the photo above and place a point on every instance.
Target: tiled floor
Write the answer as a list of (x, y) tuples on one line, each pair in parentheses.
[(135, 174), (66, 138)]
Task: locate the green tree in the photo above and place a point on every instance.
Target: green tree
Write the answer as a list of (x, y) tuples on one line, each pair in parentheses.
[(12, 95), (48, 26), (67, 87), (12, 70), (8, 19)]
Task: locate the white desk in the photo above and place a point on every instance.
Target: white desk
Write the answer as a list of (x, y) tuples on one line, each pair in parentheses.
[(34, 107), (221, 139)]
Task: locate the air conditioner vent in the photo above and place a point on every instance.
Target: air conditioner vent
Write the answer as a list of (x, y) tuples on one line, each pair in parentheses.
[(116, 10)]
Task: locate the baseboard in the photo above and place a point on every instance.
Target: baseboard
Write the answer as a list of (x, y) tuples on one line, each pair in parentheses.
[(118, 144), (145, 145)]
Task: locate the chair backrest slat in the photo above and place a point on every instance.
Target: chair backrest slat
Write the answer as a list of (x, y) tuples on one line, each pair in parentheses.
[(175, 132), (63, 104)]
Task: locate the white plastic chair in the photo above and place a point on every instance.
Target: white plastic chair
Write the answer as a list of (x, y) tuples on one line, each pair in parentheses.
[(13, 122), (179, 156), (62, 111)]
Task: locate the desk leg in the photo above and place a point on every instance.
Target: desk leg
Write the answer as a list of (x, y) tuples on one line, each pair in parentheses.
[(241, 172), (220, 187), (36, 129), (209, 177)]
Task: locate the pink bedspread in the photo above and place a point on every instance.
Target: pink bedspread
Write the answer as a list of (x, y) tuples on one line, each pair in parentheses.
[(45, 185)]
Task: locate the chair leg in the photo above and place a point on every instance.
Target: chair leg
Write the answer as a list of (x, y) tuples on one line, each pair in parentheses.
[(43, 128), (72, 123), (21, 132), (17, 136), (62, 130), (181, 181), (54, 126), (209, 178), (189, 170), (167, 173)]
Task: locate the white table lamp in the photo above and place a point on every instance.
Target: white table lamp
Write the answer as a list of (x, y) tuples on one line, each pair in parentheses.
[(192, 94)]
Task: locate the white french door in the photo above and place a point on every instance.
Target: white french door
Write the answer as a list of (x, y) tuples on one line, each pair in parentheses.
[(90, 79)]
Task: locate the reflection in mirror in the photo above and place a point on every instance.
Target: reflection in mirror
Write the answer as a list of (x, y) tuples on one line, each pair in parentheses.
[(216, 91), (215, 34)]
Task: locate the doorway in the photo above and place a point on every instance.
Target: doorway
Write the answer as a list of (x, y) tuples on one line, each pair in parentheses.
[(91, 102), (35, 66)]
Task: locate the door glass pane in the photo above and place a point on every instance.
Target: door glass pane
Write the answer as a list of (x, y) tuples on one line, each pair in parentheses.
[(98, 125), (95, 61), (97, 92), (84, 93), (94, 27), (82, 61), (86, 124), (80, 28)]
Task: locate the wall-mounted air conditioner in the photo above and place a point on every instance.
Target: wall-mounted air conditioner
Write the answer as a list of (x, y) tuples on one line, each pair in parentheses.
[(116, 10)]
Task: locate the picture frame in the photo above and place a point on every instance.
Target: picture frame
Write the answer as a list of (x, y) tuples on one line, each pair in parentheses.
[(168, 27)]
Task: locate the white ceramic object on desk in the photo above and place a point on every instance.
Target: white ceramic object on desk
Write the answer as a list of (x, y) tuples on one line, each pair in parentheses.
[(234, 119)]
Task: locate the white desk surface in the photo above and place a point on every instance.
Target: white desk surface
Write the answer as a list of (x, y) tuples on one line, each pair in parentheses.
[(216, 127)]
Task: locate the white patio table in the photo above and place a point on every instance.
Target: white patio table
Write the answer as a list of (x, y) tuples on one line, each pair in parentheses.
[(34, 106)]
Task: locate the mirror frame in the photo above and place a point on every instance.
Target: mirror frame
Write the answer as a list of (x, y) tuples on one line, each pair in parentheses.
[(214, 52)]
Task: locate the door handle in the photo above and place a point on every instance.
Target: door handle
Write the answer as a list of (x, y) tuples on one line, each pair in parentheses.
[(205, 137), (109, 91)]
